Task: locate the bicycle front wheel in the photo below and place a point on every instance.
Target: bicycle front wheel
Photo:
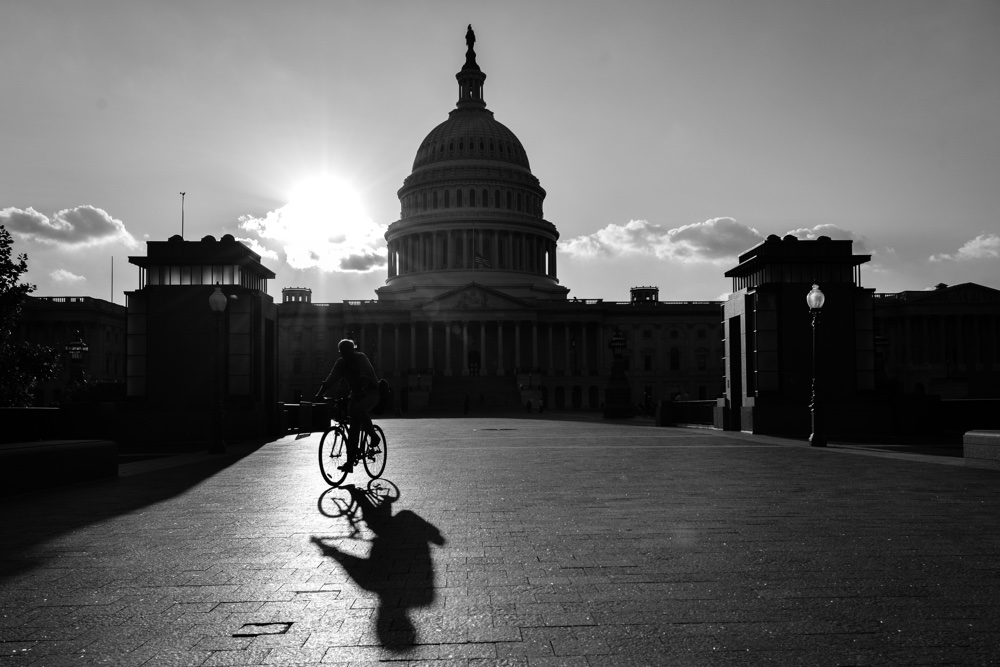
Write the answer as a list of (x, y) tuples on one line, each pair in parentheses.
[(375, 455), (333, 453)]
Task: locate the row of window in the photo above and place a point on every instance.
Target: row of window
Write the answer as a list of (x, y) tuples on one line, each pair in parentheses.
[(203, 275), (508, 199), (473, 146)]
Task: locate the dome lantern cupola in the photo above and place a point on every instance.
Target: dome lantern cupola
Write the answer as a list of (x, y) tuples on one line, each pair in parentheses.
[(471, 78)]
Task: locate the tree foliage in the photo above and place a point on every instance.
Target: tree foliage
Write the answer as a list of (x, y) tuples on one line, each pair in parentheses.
[(22, 365)]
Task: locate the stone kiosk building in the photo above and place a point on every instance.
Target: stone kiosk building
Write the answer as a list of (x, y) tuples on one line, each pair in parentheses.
[(769, 365), (472, 308), (183, 357)]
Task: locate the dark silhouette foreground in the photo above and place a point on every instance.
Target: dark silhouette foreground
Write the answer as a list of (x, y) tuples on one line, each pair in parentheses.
[(399, 568)]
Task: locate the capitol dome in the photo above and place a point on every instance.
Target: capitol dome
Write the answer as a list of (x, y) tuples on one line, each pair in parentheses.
[(471, 210)]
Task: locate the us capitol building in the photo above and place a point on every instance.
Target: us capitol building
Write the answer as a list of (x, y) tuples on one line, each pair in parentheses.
[(472, 311)]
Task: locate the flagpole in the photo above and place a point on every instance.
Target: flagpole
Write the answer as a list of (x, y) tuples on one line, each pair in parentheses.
[(182, 214)]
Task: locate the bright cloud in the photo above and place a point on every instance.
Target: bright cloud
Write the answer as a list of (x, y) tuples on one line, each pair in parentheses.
[(984, 246), (64, 276), (324, 226), (72, 227), (718, 240)]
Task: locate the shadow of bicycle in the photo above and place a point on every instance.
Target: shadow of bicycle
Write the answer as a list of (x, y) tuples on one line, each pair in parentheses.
[(399, 568)]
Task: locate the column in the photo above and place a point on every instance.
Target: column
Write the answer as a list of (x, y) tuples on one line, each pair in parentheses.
[(395, 348), (534, 345), (413, 345), (451, 251), (552, 363), (499, 347), (465, 347), (517, 345), (569, 349), (430, 346), (482, 348), (583, 350), (447, 347)]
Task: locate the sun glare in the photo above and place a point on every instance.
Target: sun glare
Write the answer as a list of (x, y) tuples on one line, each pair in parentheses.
[(324, 204)]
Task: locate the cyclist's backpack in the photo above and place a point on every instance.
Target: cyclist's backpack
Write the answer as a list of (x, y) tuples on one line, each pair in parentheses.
[(384, 397)]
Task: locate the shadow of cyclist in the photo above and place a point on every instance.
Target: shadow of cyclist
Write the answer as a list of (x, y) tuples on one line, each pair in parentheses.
[(399, 568)]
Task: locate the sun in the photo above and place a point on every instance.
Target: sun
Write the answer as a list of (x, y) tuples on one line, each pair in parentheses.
[(324, 203)]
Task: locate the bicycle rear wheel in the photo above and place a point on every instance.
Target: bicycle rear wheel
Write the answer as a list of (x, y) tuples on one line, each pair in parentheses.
[(374, 457), (333, 453)]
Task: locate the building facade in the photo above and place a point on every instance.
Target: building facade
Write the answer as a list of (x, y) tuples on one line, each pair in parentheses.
[(944, 342), (63, 323)]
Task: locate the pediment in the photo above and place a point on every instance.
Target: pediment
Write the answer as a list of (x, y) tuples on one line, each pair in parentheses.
[(473, 297)]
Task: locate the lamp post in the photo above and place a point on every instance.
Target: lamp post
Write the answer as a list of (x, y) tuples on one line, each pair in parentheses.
[(217, 304), (815, 300)]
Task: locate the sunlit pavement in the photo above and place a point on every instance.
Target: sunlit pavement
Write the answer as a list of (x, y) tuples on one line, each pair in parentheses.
[(513, 542)]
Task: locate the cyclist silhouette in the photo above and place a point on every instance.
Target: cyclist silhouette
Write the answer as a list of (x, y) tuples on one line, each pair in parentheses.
[(354, 368)]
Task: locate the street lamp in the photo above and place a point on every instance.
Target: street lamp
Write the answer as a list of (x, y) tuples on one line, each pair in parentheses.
[(815, 300), (217, 304), (75, 351)]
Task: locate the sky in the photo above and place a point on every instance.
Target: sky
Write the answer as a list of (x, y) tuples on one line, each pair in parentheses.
[(670, 136)]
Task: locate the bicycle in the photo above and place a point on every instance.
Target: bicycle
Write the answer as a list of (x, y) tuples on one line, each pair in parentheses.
[(333, 448)]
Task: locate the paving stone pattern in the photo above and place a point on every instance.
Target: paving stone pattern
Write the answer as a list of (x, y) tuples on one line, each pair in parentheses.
[(524, 542)]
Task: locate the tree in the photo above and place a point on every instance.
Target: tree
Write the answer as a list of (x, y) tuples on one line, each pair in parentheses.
[(22, 365)]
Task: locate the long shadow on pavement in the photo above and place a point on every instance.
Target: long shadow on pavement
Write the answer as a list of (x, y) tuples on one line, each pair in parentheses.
[(31, 519), (399, 568)]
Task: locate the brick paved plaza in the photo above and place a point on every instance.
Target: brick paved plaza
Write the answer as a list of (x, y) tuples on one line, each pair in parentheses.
[(513, 542)]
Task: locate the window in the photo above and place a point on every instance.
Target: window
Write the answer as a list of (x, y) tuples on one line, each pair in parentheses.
[(675, 359), (647, 333), (647, 362), (674, 334), (458, 198), (701, 358), (296, 365)]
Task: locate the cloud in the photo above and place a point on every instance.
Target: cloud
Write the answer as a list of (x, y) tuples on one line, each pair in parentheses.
[(260, 249), (834, 232), (327, 239), (82, 226), (64, 276), (718, 240), (984, 246)]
